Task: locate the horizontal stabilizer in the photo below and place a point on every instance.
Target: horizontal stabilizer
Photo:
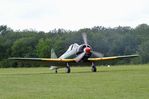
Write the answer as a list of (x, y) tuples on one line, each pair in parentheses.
[(53, 67)]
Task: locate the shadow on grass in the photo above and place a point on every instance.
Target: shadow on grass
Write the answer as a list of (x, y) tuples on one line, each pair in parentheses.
[(25, 73), (104, 71), (73, 72), (51, 73)]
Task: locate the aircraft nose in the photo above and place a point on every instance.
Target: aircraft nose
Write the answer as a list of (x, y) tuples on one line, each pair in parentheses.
[(88, 50)]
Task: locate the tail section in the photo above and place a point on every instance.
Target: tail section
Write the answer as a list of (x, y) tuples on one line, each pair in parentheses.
[(53, 55)]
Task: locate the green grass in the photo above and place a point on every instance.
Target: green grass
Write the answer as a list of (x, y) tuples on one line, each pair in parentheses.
[(115, 82)]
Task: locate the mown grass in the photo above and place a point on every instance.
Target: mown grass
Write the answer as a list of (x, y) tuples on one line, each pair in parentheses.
[(115, 82)]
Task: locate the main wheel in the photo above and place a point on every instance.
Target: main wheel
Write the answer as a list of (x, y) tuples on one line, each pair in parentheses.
[(56, 71), (68, 70), (94, 69)]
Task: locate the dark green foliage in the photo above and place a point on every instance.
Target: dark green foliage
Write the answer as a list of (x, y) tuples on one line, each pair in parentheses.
[(109, 41), (43, 47), (24, 47), (144, 51)]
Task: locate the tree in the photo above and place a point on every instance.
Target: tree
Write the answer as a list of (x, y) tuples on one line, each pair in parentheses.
[(4, 29), (109, 41), (144, 52), (2, 49), (43, 48), (24, 47), (142, 32)]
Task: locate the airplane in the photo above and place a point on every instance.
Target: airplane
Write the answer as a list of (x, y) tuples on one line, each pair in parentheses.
[(83, 55)]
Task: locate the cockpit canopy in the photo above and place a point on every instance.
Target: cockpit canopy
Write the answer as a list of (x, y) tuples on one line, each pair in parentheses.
[(73, 46)]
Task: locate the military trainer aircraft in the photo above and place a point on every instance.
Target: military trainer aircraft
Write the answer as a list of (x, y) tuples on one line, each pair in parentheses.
[(83, 55)]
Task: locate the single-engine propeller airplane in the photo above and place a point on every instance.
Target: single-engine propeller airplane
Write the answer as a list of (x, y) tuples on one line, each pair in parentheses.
[(83, 55)]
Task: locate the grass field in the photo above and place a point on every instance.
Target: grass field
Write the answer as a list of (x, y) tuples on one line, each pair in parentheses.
[(115, 82)]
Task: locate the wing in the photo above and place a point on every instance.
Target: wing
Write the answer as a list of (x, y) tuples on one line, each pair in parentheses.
[(44, 59), (62, 62), (112, 58), (72, 60)]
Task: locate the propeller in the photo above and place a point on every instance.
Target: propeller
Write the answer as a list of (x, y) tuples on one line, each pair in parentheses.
[(97, 54), (85, 38), (87, 50), (79, 57)]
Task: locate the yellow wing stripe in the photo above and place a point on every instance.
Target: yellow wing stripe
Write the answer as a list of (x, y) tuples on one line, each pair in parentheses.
[(104, 58), (112, 58)]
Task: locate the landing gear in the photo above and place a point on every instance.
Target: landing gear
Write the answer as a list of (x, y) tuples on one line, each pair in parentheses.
[(94, 69), (68, 70), (56, 70)]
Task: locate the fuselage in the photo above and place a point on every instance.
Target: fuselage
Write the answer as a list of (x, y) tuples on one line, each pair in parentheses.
[(76, 49)]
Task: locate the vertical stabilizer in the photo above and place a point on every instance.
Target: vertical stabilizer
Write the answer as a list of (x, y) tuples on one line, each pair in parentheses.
[(53, 55)]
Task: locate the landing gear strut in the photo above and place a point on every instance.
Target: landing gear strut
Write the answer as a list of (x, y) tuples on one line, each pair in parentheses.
[(68, 70), (94, 69)]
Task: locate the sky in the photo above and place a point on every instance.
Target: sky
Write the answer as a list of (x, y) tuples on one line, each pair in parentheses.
[(46, 15)]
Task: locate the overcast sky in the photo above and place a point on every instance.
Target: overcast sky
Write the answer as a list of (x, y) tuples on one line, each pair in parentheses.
[(45, 15)]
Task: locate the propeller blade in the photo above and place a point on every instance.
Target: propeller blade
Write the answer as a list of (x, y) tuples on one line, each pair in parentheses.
[(97, 54), (79, 57), (84, 38)]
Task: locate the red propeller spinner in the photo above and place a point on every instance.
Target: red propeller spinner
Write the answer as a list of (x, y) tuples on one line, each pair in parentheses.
[(87, 50)]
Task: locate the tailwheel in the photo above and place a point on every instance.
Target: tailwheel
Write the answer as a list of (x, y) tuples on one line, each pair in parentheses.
[(94, 69), (68, 70)]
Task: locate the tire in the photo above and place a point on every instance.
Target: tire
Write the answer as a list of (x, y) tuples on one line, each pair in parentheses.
[(94, 69), (68, 70), (56, 71)]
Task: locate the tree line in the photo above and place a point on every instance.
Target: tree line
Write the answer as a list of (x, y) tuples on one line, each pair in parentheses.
[(109, 41)]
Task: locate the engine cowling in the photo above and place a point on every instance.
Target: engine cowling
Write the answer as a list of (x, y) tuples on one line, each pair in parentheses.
[(84, 48)]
